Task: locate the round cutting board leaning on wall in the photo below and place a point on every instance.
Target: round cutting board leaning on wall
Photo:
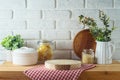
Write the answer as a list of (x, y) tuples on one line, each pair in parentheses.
[(83, 40), (62, 64)]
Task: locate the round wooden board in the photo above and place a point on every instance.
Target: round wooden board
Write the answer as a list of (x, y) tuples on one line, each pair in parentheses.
[(83, 40), (62, 64)]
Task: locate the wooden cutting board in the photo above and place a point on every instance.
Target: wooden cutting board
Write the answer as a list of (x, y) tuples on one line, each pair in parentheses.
[(83, 40), (62, 64)]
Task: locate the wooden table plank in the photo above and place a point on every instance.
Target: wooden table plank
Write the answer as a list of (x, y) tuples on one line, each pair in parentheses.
[(9, 71)]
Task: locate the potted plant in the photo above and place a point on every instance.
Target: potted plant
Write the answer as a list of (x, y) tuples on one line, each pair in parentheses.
[(102, 35), (11, 43)]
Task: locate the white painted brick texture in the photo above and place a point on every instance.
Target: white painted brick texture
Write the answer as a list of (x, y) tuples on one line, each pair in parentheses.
[(12, 25), (12, 4), (28, 34), (40, 24), (117, 4), (27, 14), (41, 4), (55, 20), (113, 13), (70, 4), (32, 43), (64, 44), (86, 12), (4, 33), (56, 14), (99, 4), (56, 35), (5, 14), (61, 54), (67, 24)]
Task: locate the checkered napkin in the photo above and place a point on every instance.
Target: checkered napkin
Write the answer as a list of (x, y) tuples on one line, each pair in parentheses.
[(42, 73)]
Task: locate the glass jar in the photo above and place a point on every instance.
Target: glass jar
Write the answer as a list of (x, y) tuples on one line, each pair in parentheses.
[(88, 56), (44, 50)]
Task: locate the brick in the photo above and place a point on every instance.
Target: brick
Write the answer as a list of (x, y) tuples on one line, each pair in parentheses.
[(32, 44), (55, 35), (68, 24), (12, 4), (25, 42), (114, 14), (27, 14), (117, 4), (40, 24), (74, 33), (116, 34), (61, 54), (70, 4), (2, 54), (28, 34), (94, 13), (4, 33), (56, 14), (73, 55), (116, 55), (5, 14), (117, 25), (40, 4), (12, 25), (64, 44), (99, 3), (116, 42)]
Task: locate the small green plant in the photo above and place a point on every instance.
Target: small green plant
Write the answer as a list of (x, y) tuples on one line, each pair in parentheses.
[(12, 42), (99, 33)]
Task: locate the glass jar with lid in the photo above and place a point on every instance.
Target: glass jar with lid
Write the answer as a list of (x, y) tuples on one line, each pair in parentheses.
[(88, 56), (45, 50)]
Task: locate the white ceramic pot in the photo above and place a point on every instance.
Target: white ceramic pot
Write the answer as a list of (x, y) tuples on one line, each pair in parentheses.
[(25, 56), (104, 52)]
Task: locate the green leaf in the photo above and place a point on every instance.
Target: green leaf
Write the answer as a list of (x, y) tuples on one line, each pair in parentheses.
[(12, 42)]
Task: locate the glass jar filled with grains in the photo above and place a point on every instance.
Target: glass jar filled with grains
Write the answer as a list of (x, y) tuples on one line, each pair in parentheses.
[(45, 50), (88, 56)]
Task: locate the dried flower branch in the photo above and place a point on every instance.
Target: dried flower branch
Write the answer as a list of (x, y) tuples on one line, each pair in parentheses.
[(100, 34)]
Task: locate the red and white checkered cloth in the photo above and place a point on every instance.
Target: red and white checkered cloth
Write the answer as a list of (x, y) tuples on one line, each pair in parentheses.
[(42, 73)]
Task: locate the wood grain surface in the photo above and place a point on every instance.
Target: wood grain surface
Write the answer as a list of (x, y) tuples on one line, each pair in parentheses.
[(62, 64), (9, 71), (83, 40)]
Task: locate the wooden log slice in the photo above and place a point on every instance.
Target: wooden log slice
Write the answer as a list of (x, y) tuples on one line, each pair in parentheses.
[(62, 64)]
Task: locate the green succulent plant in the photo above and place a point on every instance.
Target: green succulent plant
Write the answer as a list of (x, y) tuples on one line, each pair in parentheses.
[(12, 42), (99, 33)]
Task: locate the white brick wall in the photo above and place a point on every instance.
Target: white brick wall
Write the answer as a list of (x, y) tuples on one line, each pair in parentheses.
[(55, 35), (12, 4), (61, 54), (87, 12), (99, 4), (12, 24), (5, 14), (113, 13), (117, 3), (28, 34), (54, 20), (40, 4), (27, 14), (67, 24), (70, 4), (4, 33), (40, 24), (56, 14), (63, 44)]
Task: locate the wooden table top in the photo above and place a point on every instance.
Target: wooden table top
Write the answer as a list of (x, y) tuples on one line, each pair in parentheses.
[(100, 71)]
